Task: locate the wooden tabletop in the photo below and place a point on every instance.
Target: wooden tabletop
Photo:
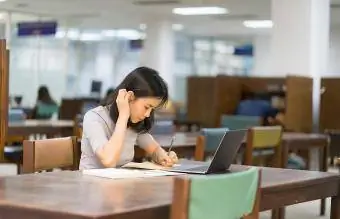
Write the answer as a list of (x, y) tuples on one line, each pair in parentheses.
[(71, 195), (51, 127), (44, 123)]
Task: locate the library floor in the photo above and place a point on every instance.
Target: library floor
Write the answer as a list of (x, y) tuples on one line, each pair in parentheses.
[(308, 210)]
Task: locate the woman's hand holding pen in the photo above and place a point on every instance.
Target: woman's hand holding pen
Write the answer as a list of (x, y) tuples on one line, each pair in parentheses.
[(164, 158)]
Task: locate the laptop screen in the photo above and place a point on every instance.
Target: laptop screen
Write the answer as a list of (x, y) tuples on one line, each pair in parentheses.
[(227, 150)]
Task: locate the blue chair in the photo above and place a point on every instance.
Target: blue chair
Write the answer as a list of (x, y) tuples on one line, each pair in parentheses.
[(16, 115), (234, 122), (208, 141)]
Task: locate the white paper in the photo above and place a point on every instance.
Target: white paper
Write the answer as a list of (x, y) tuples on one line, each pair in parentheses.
[(117, 173)]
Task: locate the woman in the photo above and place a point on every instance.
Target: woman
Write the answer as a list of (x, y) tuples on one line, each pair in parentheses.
[(111, 131), (45, 106)]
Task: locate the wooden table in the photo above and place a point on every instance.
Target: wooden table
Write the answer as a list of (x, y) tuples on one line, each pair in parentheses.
[(48, 127), (71, 195), (185, 145)]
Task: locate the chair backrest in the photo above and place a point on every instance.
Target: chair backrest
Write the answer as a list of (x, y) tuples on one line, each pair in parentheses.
[(234, 122), (253, 107), (212, 138), (233, 195), (208, 141), (264, 137), (47, 154)]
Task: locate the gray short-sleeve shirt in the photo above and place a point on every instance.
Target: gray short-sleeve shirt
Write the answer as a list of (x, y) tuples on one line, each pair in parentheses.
[(97, 130)]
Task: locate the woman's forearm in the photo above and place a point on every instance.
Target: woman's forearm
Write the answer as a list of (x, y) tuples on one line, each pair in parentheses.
[(109, 155)]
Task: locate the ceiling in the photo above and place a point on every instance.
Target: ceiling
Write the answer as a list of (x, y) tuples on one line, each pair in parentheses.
[(109, 14)]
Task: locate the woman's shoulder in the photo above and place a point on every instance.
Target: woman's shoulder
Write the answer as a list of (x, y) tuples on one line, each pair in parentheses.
[(99, 112)]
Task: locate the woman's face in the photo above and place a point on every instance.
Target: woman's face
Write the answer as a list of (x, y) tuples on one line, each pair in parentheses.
[(141, 108)]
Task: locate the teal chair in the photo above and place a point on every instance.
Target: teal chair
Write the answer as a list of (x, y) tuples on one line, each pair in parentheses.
[(234, 122), (208, 141), (224, 196)]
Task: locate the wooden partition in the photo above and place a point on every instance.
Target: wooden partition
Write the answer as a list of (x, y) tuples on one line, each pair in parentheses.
[(4, 78), (227, 96), (261, 84), (210, 97), (299, 104), (71, 107), (330, 104), (200, 105)]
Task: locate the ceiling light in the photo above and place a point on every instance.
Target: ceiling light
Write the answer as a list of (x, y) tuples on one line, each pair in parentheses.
[(258, 24), (199, 11), (73, 34), (177, 27), (3, 0), (129, 34), (90, 37), (109, 33)]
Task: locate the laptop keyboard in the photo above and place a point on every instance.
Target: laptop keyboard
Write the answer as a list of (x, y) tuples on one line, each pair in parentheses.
[(199, 168)]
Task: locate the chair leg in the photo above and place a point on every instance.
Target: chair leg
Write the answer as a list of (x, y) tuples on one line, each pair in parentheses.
[(323, 207), (18, 168), (278, 213)]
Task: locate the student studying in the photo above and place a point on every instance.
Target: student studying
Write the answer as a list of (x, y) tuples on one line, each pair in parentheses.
[(111, 131)]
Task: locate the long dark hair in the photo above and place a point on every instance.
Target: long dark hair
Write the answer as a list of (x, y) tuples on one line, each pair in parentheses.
[(143, 82), (44, 96)]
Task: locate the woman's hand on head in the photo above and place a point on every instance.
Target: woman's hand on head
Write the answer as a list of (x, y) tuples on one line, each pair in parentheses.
[(122, 101)]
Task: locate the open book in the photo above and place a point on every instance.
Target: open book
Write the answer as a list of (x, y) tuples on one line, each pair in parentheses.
[(122, 173)]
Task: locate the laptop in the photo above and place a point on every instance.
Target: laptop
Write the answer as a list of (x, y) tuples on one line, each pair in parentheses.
[(222, 159)]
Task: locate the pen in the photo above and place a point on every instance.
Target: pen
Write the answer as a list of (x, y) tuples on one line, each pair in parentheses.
[(172, 141)]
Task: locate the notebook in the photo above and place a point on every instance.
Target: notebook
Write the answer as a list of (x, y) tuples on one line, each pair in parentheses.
[(120, 173)]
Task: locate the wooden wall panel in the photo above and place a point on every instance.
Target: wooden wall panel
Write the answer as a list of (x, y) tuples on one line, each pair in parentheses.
[(200, 100), (4, 79), (227, 97), (330, 104), (258, 84), (299, 104)]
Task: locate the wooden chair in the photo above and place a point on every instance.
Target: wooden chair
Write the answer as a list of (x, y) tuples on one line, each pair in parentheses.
[(208, 141), (78, 126), (13, 150), (52, 153), (233, 195), (264, 141)]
